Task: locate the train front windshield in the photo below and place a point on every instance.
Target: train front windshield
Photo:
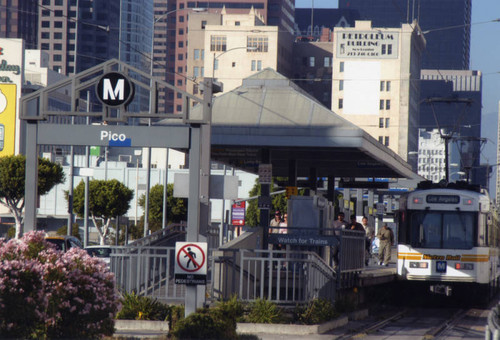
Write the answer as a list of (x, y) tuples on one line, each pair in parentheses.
[(442, 229)]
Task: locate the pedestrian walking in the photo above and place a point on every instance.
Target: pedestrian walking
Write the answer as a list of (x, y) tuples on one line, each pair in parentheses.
[(386, 237), (370, 235)]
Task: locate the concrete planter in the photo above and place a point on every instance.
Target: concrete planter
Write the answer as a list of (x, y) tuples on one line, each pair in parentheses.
[(255, 328), (141, 325)]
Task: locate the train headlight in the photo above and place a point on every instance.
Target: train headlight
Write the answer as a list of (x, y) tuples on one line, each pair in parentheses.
[(420, 265), (464, 266)]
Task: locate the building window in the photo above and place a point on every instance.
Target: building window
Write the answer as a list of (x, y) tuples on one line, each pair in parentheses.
[(387, 122), (181, 18), (58, 24), (341, 103), (179, 69), (341, 66), (341, 85), (57, 57), (312, 61), (179, 82), (195, 89), (58, 47), (57, 35), (381, 122), (45, 35), (203, 24), (384, 49), (237, 23), (196, 54), (326, 62), (386, 141), (261, 44), (181, 44), (388, 85), (180, 56), (381, 106), (196, 71), (45, 24), (58, 13), (217, 43), (179, 95), (202, 54), (179, 108), (256, 65), (380, 139), (388, 104), (382, 85), (389, 49), (45, 13)]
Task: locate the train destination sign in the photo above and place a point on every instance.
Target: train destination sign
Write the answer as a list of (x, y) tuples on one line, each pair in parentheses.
[(443, 199)]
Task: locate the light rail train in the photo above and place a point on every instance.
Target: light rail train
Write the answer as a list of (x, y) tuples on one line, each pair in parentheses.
[(449, 240)]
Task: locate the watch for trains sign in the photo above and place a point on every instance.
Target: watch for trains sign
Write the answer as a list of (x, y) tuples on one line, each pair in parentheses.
[(191, 263)]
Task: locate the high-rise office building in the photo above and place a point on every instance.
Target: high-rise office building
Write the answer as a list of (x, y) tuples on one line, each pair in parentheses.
[(78, 34), (275, 12), (19, 19), (81, 34), (445, 24), (375, 81)]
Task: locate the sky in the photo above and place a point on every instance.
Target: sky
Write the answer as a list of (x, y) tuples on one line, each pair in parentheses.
[(484, 57)]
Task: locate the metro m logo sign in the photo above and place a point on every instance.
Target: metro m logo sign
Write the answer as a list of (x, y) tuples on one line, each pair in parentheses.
[(114, 89), (112, 93)]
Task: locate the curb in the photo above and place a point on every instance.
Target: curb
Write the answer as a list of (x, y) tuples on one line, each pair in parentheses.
[(253, 328)]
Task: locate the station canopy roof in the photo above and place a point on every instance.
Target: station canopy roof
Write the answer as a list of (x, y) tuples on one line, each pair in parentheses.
[(270, 112)]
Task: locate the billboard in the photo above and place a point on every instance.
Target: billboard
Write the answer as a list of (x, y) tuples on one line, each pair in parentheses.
[(8, 101), (11, 80)]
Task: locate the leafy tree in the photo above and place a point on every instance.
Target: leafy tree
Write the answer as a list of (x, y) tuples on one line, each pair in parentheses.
[(12, 183), (107, 199), (279, 202), (176, 207)]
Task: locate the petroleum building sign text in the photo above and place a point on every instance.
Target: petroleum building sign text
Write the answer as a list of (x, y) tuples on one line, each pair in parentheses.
[(367, 44)]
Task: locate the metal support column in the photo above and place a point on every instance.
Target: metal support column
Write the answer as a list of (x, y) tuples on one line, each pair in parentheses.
[(31, 179), (265, 191)]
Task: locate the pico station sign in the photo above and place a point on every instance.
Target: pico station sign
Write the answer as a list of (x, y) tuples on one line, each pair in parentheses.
[(367, 44), (191, 263)]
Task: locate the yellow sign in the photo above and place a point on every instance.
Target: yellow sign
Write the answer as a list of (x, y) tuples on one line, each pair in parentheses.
[(291, 191), (8, 101)]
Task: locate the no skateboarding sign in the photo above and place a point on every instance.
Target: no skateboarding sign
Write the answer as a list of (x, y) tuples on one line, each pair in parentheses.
[(191, 263)]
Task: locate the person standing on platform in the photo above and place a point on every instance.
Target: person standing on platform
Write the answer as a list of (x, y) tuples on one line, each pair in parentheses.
[(338, 225), (274, 228), (370, 235), (354, 225), (284, 224), (386, 237)]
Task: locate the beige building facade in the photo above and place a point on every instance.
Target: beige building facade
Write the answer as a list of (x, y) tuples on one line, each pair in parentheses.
[(239, 46), (375, 81)]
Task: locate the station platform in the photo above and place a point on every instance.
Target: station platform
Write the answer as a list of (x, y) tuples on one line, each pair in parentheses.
[(375, 274)]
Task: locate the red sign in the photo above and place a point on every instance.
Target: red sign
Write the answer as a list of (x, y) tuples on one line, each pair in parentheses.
[(238, 213)]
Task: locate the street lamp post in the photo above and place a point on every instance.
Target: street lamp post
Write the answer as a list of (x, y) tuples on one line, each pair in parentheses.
[(248, 48)]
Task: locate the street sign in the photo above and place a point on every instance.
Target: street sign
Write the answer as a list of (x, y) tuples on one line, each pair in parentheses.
[(238, 213), (291, 191), (191, 263), (265, 173), (114, 89)]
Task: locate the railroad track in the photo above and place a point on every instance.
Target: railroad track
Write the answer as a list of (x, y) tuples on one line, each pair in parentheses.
[(433, 324)]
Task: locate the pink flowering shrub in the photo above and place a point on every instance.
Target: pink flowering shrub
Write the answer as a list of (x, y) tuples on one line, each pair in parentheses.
[(45, 293)]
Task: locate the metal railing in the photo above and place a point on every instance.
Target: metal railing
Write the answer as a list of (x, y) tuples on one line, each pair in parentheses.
[(276, 275), (282, 276), (147, 271), (171, 230)]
